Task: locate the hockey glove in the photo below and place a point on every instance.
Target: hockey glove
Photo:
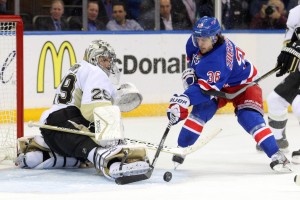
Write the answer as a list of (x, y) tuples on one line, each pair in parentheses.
[(289, 58), (188, 77), (178, 108)]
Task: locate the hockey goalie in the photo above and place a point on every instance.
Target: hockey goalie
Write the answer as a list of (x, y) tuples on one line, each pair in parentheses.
[(86, 99)]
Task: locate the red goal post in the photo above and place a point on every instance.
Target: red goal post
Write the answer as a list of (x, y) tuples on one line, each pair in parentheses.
[(11, 85)]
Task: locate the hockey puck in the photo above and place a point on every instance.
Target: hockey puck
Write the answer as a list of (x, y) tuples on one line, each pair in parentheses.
[(167, 176)]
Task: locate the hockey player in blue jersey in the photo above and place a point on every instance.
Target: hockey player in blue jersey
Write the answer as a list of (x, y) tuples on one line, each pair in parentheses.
[(218, 64)]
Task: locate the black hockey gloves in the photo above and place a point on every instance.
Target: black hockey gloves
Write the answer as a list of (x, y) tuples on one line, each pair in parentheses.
[(289, 58)]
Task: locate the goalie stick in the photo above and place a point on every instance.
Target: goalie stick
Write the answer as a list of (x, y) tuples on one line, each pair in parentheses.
[(130, 179), (233, 95), (203, 140)]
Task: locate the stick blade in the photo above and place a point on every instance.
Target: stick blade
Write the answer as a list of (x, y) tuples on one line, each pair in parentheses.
[(131, 179)]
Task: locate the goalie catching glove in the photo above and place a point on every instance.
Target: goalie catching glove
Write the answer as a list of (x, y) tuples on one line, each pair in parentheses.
[(289, 58), (127, 98), (178, 108)]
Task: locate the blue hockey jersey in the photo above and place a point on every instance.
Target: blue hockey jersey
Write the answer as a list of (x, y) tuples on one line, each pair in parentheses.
[(224, 66)]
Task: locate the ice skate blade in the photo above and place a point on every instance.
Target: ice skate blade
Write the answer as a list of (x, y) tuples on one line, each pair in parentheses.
[(296, 160), (280, 168), (176, 165)]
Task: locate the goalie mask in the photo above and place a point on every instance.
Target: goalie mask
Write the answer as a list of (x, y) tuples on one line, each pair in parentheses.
[(99, 52)]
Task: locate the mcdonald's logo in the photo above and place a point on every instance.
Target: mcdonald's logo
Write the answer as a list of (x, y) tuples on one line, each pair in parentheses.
[(57, 60)]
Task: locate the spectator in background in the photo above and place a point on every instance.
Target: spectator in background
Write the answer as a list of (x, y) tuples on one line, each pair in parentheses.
[(119, 21), (2, 6), (285, 3), (204, 8), (255, 6), (235, 14), (133, 8), (146, 18), (105, 10), (187, 9), (172, 20), (76, 10), (93, 23), (291, 4), (56, 22), (271, 16)]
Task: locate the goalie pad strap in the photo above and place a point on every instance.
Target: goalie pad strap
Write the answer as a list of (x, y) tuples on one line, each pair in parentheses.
[(55, 159), (291, 51), (131, 155)]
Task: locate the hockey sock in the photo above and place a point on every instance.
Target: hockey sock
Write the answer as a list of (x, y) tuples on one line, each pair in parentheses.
[(277, 127), (266, 141)]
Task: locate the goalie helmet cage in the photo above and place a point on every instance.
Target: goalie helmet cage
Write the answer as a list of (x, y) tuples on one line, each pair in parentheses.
[(11, 85)]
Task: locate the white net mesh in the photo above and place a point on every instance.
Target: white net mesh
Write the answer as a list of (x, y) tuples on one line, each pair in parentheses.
[(8, 95)]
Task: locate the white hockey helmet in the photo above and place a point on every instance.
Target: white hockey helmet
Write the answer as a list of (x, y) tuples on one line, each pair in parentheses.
[(100, 48)]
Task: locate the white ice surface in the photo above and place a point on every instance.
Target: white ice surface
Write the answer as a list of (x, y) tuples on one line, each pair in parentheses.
[(228, 167)]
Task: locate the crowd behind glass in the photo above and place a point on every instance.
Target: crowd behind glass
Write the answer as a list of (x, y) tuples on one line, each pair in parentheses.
[(66, 15)]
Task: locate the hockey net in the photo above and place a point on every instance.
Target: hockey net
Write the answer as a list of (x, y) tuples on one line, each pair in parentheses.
[(11, 85)]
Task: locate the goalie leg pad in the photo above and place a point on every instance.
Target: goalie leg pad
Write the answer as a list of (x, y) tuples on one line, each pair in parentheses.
[(29, 160), (35, 154), (58, 162), (129, 159), (117, 169), (45, 160), (32, 143)]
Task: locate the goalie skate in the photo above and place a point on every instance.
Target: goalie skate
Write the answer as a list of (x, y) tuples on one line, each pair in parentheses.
[(280, 163), (117, 169)]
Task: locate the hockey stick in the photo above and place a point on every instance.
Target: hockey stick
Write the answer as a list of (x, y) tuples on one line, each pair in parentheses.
[(203, 140), (57, 128), (233, 95), (130, 179)]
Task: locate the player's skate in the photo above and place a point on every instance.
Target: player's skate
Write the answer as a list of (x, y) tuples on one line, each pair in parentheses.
[(178, 160), (282, 143), (280, 163), (296, 157)]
